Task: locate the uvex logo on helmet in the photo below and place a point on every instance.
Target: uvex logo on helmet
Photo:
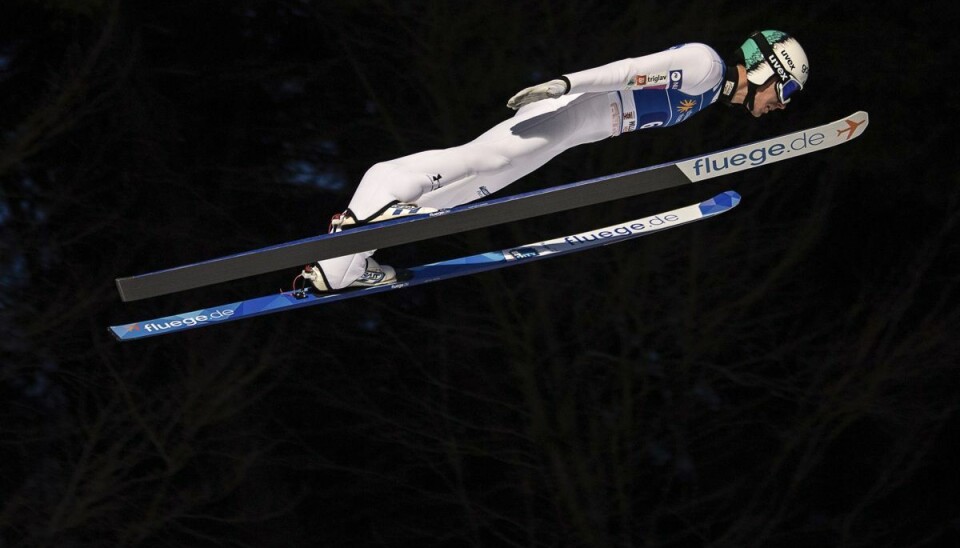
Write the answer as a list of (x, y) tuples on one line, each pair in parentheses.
[(785, 55), (778, 67)]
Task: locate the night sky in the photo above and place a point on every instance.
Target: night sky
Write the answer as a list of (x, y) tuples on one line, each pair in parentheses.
[(782, 375)]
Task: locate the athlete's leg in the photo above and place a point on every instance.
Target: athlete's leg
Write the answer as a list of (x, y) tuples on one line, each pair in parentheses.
[(516, 147), (508, 151)]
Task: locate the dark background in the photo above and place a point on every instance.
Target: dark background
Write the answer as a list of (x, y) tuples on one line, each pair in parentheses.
[(783, 375)]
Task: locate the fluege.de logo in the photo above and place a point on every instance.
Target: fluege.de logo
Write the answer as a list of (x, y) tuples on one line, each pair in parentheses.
[(657, 221), (189, 321), (715, 163)]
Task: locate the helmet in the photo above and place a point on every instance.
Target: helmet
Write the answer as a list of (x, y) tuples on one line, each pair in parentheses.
[(774, 53)]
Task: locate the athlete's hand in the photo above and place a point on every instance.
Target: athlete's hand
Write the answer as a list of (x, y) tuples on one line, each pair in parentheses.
[(548, 90)]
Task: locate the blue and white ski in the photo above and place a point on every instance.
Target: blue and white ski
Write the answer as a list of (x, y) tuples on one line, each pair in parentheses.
[(435, 271), (495, 211)]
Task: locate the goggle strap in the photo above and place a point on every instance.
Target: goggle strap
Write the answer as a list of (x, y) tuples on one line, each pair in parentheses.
[(767, 53)]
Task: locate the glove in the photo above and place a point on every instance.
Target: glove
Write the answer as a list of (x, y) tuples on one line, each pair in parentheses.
[(549, 90)]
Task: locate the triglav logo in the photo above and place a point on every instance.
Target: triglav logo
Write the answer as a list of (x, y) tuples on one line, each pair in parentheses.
[(642, 80)]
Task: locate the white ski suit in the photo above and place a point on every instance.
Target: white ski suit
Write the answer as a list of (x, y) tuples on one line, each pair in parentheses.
[(656, 90)]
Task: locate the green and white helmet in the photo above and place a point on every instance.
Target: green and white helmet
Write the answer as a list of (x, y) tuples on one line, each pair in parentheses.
[(769, 53)]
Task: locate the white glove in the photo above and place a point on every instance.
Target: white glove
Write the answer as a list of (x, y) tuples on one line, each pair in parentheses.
[(549, 90)]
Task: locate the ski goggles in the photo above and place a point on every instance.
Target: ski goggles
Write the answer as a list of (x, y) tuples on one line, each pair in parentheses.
[(788, 88)]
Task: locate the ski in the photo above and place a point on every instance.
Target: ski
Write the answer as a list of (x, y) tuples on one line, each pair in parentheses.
[(433, 272), (497, 211), (493, 212)]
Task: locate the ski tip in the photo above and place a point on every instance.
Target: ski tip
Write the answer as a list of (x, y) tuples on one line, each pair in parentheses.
[(860, 115), (724, 201), (852, 126)]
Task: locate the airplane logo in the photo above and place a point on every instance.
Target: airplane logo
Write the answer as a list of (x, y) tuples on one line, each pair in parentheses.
[(851, 128)]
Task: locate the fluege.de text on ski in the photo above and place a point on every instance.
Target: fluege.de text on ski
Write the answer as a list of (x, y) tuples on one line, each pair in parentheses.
[(733, 159), (620, 231)]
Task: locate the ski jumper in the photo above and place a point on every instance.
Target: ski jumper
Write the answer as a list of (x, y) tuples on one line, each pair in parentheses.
[(656, 90)]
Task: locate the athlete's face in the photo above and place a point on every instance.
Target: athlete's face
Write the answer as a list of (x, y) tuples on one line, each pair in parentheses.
[(766, 99)]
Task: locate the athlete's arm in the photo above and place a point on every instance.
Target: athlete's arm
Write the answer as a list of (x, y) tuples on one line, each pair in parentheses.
[(699, 64)]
